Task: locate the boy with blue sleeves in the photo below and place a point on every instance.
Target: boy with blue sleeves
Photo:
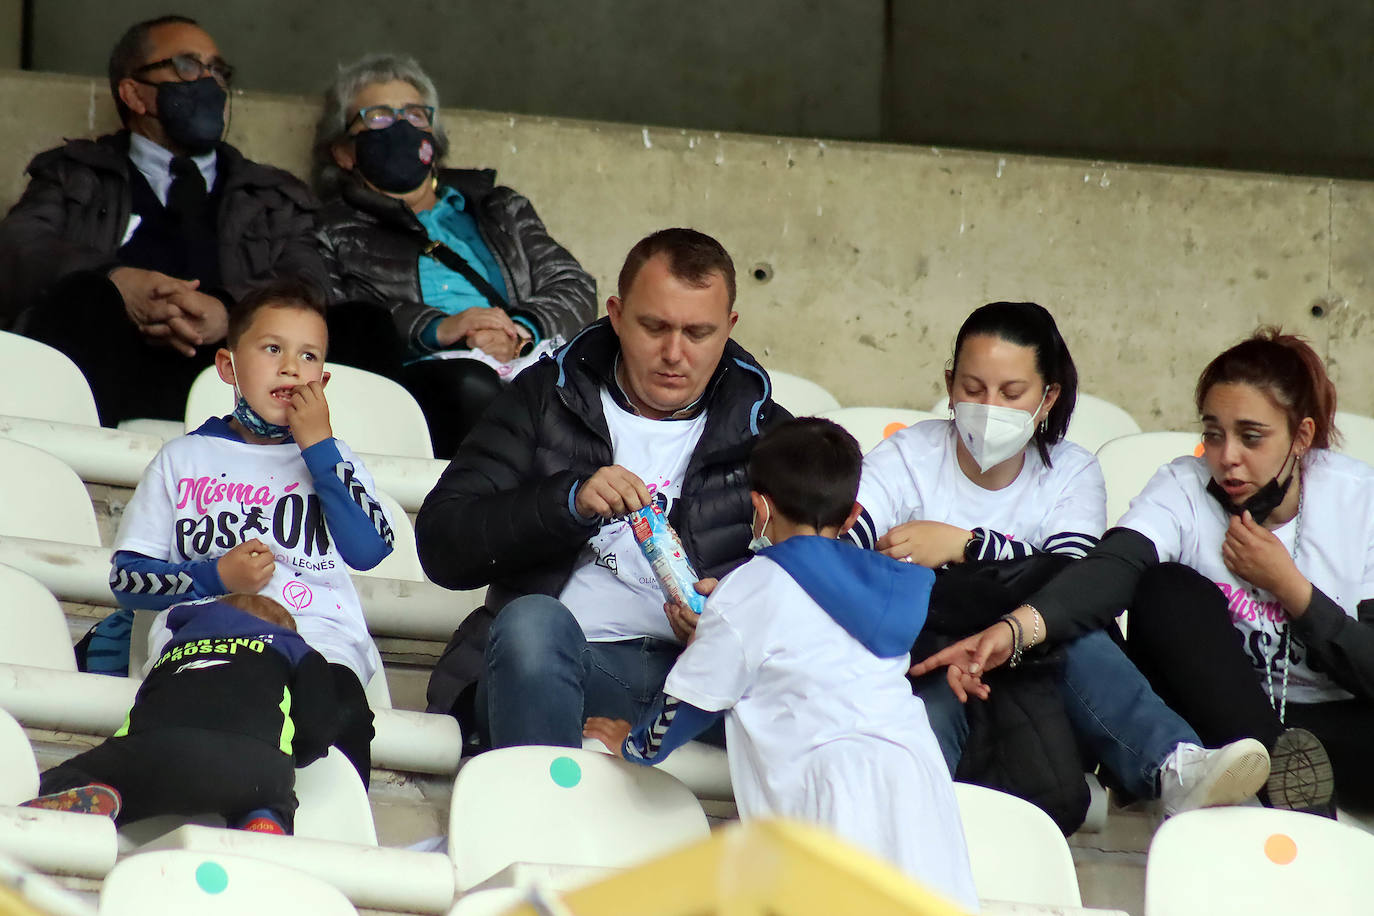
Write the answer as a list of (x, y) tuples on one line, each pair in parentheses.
[(804, 651), (265, 501)]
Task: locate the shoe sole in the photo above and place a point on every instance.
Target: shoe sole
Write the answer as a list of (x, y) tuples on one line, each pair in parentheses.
[(1300, 775), (1247, 766), (92, 799)]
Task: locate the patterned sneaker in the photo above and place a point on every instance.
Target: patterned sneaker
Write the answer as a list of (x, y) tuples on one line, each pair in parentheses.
[(96, 798), (1300, 776), (1195, 777)]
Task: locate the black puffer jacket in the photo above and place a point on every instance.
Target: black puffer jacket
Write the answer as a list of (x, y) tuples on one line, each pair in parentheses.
[(372, 242), (75, 210), (501, 514)]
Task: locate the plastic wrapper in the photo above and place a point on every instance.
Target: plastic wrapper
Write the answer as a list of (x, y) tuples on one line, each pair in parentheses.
[(660, 545)]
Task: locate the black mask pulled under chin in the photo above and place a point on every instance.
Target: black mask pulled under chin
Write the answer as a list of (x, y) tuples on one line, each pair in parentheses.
[(1261, 504)]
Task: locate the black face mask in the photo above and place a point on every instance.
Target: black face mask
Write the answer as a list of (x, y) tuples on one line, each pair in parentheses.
[(192, 113), (1261, 504), (396, 158)]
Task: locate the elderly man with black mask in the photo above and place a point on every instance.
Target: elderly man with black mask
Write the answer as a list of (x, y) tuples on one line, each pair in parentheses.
[(126, 252)]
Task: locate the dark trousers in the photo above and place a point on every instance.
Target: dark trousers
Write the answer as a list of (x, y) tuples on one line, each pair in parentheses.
[(129, 376), (452, 393), (354, 738), (1181, 638), (185, 771)]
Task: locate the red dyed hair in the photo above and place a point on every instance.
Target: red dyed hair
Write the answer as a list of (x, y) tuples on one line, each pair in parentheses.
[(1288, 370)]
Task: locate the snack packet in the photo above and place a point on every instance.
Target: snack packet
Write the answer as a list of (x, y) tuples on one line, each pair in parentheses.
[(661, 547)]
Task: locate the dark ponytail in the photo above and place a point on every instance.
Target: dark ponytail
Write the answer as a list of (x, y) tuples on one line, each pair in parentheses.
[(1027, 324), (1288, 370)]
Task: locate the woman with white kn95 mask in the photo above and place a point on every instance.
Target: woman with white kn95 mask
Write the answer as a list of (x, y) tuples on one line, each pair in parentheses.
[(997, 502)]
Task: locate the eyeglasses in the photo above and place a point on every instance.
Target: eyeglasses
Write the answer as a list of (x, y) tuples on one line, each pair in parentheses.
[(376, 117), (189, 68)]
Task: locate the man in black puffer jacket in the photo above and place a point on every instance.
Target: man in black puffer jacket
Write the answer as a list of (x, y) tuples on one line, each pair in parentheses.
[(653, 403)]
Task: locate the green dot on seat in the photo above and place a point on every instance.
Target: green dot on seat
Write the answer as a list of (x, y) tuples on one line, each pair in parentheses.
[(212, 878), (565, 772)]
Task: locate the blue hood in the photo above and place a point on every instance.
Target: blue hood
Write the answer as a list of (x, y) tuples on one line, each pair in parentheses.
[(880, 602)]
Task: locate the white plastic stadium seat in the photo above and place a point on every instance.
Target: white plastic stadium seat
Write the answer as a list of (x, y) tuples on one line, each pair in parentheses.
[(38, 381), (40, 497), (35, 628), (1095, 421), (333, 802), (18, 771), (404, 560), (492, 902), (701, 767), (1357, 436), (1017, 853), (871, 425), (1257, 861), (564, 806), (1129, 462), (800, 396), (180, 881), (371, 413)]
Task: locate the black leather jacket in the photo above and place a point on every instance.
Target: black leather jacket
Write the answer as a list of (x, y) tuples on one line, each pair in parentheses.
[(501, 513), (372, 242), (75, 210)]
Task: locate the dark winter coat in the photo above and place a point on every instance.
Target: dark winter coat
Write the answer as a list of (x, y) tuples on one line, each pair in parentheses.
[(372, 244), (75, 211)]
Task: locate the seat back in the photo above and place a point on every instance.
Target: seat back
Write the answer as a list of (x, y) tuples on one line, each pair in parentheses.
[(1357, 436), (404, 560), (871, 425), (1129, 462), (18, 770), (371, 413), (333, 802), (1257, 861), (801, 397), (1017, 853), (564, 806), (40, 497), (35, 628), (41, 382), (180, 881)]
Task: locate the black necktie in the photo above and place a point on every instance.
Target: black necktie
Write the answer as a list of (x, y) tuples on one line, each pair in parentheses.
[(186, 196)]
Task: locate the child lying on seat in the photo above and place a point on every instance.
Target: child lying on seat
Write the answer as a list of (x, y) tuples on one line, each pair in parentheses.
[(804, 651), (233, 705)]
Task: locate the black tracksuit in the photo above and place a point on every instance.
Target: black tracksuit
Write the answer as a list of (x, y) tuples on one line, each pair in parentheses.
[(227, 713)]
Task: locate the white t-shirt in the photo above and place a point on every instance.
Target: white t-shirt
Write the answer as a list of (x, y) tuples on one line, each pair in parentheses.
[(821, 729), (613, 592), (203, 495), (1336, 552), (914, 475)]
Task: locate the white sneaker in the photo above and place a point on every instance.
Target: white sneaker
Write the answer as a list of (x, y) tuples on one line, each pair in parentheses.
[(1195, 777)]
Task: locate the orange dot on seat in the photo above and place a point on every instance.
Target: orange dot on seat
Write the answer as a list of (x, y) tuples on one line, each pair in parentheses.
[(1280, 849), (893, 428)]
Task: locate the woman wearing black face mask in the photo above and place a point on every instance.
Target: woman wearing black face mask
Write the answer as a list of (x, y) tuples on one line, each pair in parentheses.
[(429, 263), (1249, 574)]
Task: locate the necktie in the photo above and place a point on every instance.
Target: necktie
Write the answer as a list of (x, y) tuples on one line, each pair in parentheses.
[(187, 194)]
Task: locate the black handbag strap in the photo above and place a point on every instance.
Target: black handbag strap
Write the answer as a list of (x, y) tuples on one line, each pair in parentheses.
[(454, 262)]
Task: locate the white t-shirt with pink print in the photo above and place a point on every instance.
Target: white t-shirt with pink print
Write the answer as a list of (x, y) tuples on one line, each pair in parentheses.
[(1335, 553)]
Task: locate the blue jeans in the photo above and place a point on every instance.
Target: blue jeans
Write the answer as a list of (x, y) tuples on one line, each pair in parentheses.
[(544, 679), (1117, 718)]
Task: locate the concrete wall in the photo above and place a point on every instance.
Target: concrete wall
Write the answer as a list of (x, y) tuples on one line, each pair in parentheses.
[(775, 66), (878, 252), (11, 33)]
